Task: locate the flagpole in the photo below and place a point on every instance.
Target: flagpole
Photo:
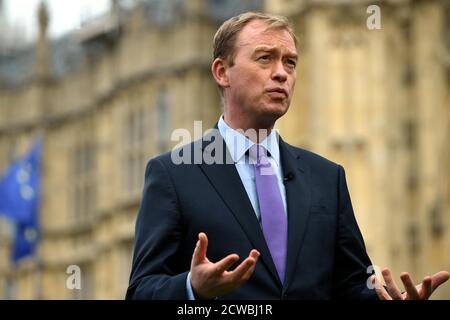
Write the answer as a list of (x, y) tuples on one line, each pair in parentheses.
[(38, 252)]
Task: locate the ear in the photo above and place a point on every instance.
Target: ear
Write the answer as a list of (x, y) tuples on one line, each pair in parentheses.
[(219, 69)]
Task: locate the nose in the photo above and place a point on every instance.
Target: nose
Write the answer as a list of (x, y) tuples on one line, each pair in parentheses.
[(279, 72)]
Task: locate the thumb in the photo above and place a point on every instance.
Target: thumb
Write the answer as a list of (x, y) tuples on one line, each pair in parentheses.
[(199, 255)]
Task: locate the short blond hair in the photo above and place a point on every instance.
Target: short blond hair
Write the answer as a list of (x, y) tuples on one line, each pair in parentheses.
[(225, 37)]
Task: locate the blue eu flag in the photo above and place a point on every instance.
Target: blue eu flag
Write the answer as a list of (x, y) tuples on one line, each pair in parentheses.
[(20, 201)]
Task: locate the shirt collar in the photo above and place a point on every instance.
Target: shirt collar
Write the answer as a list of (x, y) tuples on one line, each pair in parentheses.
[(238, 144)]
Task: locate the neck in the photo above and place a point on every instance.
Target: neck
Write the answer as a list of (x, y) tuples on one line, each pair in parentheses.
[(254, 129)]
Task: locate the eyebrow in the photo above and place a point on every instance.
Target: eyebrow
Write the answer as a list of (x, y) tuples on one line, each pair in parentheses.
[(290, 54)]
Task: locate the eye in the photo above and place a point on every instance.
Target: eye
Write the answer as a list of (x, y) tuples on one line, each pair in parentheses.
[(264, 58), (292, 63)]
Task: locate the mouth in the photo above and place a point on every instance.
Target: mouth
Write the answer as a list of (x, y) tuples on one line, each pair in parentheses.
[(277, 92)]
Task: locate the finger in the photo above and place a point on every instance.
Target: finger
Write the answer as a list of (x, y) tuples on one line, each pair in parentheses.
[(426, 289), (409, 286), (254, 254), (226, 263), (195, 256), (439, 278), (200, 249), (379, 289), (392, 288), (248, 274), (238, 273)]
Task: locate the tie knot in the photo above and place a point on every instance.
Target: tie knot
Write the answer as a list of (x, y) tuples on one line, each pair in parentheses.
[(257, 152)]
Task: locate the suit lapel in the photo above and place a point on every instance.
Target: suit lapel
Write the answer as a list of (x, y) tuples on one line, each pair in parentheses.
[(298, 197), (226, 181)]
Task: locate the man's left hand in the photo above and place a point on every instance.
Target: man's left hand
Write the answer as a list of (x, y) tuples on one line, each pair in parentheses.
[(421, 291)]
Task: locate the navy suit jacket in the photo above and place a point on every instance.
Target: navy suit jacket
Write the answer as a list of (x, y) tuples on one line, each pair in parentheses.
[(326, 252)]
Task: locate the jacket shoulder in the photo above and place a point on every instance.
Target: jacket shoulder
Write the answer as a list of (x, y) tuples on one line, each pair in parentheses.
[(184, 154), (313, 160)]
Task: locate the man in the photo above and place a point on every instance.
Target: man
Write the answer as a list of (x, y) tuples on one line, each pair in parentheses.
[(273, 221)]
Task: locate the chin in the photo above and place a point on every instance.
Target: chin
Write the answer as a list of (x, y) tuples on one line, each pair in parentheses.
[(270, 115), (277, 110)]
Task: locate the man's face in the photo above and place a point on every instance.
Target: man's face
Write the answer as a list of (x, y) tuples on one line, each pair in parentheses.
[(262, 79)]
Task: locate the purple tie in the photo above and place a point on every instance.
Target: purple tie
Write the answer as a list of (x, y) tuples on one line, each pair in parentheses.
[(273, 216)]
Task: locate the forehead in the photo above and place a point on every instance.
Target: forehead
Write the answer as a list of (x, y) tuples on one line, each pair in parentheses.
[(257, 33)]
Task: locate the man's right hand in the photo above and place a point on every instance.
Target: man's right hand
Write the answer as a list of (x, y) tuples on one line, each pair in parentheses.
[(210, 279)]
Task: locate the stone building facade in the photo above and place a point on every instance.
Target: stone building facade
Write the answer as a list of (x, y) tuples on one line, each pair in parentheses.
[(107, 97)]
